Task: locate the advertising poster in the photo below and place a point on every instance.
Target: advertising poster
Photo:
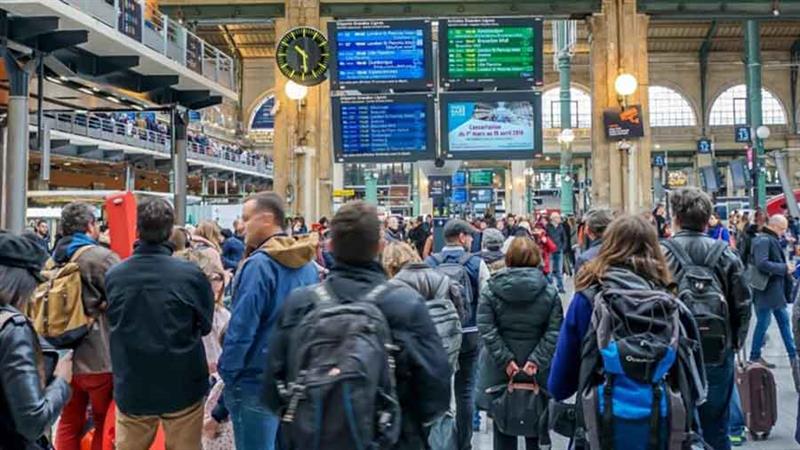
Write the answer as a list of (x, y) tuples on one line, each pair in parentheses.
[(623, 124), (496, 126)]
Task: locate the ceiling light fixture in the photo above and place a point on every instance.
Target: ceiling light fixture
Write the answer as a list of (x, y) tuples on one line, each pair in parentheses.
[(54, 80), (113, 99), (86, 90)]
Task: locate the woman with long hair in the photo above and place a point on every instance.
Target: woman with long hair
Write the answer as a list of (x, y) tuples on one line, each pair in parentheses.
[(630, 258), (519, 315), (207, 238)]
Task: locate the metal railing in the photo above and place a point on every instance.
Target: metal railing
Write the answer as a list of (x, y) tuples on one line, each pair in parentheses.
[(127, 133), (141, 21)]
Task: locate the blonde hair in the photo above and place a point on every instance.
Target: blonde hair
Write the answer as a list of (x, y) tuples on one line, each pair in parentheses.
[(210, 232), (396, 255)]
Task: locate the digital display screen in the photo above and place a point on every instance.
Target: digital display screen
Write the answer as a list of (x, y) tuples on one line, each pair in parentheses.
[(491, 52), (491, 125), (460, 179), (381, 54), (481, 196), (459, 195), (394, 128)]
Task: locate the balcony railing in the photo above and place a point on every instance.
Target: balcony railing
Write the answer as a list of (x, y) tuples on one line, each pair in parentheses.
[(141, 21), (127, 133)]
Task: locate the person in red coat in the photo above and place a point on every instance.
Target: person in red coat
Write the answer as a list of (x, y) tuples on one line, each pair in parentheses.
[(546, 244)]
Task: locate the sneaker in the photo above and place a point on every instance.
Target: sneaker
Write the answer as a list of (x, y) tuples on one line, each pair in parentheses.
[(476, 422), (737, 440), (764, 363)]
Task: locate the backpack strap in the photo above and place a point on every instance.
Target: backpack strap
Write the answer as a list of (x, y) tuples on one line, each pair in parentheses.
[(465, 258), (79, 252), (680, 254), (323, 293), (438, 259), (715, 253)]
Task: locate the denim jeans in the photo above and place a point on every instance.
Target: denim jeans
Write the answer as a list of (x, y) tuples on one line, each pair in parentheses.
[(764, 317), (715, 412), (557, 268), (465, 389), (736, 427), (254, 425)]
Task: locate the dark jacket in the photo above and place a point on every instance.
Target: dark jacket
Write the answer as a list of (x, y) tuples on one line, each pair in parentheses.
[(745, 243), (27, 411), (264, 281), (92, 356), (519, 316), (159, 308), (588, 255), (431, 284), (423, 374), (558, 236), (232, 253), (730, 273), (769, 259)]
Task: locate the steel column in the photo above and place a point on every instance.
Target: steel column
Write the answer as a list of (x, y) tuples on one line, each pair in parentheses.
[(17, 146), (179, 165), (752, 41), (564, 65)]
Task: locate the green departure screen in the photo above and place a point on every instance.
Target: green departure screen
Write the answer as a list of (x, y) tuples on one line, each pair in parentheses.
[(490, 52)]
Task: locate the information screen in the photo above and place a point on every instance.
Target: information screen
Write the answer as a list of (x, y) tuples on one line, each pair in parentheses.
[(491, 52), (383, 128), (496, 125), (460, 178), (371, 55), (481, 177)]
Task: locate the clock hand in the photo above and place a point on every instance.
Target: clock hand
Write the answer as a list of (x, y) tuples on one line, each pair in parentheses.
[(301, 52)]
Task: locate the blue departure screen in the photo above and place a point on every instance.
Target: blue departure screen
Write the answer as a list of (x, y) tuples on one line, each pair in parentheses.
[(371, 128), (380, 55)]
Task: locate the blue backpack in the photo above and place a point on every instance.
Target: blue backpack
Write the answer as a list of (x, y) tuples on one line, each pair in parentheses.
[(631, 392)]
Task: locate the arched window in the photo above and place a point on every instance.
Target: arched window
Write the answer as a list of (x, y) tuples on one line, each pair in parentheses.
[(580, 110), (668, 108), (730, 108), (262, 119)]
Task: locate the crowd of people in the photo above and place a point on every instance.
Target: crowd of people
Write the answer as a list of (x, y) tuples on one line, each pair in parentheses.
[(358, 333)]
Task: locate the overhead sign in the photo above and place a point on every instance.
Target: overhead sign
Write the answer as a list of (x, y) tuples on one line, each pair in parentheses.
[(742, 134), (623, 124), (659, 161), (439, 186), (704, 146), (345, 193)]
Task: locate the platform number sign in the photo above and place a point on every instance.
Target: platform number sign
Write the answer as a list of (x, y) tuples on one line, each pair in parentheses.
[(743, 134), (704, 146), (659, 161)]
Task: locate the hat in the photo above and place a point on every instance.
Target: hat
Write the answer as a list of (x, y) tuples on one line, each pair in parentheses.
[(493, 239), (22, 252), (454, 227)]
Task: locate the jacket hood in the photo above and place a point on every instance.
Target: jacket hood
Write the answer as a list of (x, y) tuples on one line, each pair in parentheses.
[(68, 245), (518, 283), (290, 252), (624, 278)]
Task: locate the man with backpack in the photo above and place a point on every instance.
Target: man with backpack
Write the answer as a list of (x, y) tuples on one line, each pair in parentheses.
[(277, 265), (92, 383), (472, 274), (356, 362), (711, 282)]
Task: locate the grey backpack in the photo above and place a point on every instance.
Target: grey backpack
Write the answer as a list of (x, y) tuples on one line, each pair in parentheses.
[(447, 322)]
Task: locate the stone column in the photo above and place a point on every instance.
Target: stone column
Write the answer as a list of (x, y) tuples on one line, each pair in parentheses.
[(618, 44), (425, 202), (518, 186)]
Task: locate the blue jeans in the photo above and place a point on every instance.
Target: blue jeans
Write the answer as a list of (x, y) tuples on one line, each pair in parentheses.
[(715, 412), (557, 268), (736, 427), (465, 389), (254, 425), (763, 317)]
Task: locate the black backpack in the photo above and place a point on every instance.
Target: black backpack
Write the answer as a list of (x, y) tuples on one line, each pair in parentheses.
[(341, 390), (458, 274), (701, 291)]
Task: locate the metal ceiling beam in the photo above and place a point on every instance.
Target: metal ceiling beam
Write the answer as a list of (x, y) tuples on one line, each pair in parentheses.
[(727, 9), (231, 13), (705, 48), (230, 41), (23, 28), (443, 8), (794, 74), (56, 40)]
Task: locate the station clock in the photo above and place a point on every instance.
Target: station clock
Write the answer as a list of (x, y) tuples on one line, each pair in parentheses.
[(303, 56)]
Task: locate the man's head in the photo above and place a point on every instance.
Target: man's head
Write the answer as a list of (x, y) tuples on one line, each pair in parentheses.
[(778, 224), (597, 220), (555, 218), (238, 227), (356, 233), (392, 223), (493, 239), (458, 233), (42, 229), (155, 218), (691, 209), (263, 216), (78, 217)]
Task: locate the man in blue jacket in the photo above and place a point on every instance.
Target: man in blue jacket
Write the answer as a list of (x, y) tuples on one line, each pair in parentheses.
[(276, 266), (232, 250)]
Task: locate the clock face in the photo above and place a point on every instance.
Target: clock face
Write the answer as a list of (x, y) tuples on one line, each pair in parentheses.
[(303, 55)]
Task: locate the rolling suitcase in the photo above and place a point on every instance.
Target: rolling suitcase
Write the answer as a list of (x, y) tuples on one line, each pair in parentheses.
[(759, 395)]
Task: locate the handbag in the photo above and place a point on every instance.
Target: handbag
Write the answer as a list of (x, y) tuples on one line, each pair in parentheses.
[(224, 438), (563, 417), (757, 279), (519, 408)]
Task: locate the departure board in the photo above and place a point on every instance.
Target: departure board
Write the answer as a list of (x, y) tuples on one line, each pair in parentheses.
[(383, 128), (374, 55), (491, 52)]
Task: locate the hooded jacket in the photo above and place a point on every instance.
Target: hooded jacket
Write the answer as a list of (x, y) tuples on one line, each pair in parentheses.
[(92, 356), (281, 265), (519, 316)]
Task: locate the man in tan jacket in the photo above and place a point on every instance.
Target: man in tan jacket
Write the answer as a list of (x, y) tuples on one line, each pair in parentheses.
[(92, 384)]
